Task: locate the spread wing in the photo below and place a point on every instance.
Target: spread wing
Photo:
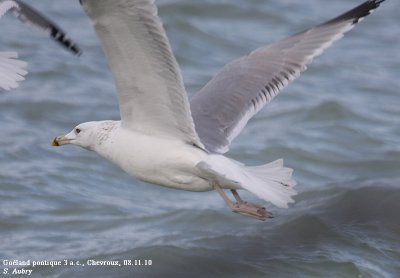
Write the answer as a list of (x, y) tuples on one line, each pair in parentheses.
[(223, 107), (13, 70), (30, 16), (151, 94)]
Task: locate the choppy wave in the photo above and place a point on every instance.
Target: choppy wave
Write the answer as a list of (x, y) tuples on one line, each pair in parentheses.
[(345, 230)]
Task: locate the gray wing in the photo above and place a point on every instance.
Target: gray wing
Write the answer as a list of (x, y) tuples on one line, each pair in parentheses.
[(152, 98), (225, 104), (30, 16)]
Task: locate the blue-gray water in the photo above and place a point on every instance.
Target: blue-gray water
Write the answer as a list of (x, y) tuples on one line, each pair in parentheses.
[(338, 126)]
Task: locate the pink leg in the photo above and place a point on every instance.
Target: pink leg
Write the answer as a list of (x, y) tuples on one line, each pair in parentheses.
[(242, 207)]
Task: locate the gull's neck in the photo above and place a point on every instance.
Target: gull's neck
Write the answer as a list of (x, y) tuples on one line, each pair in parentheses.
[(104, 137)]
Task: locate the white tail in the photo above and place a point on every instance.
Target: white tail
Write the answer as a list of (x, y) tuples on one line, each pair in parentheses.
[(272, 182)]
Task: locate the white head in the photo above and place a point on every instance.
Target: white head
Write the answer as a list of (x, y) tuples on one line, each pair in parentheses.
[(86, 135)]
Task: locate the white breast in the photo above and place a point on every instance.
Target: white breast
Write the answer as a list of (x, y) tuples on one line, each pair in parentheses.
[(163, 161)]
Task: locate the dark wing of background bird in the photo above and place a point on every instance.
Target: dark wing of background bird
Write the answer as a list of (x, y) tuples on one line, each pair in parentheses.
[(30, 16)]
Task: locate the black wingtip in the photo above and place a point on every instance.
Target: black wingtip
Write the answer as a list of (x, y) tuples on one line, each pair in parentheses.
[(26, 13), (58, 35), (358, 12)]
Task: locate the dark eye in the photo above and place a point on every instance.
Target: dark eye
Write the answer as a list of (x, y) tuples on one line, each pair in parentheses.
[(77, 130)]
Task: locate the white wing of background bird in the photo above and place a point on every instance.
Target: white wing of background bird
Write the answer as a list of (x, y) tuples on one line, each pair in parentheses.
[(151, 94), (11, 70), (242, 88)]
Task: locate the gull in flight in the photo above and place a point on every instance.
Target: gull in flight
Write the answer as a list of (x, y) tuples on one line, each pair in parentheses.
[(13, 70), (164, 139)]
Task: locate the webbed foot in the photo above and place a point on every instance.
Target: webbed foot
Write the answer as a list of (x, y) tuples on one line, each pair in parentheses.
[(242, 207)]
